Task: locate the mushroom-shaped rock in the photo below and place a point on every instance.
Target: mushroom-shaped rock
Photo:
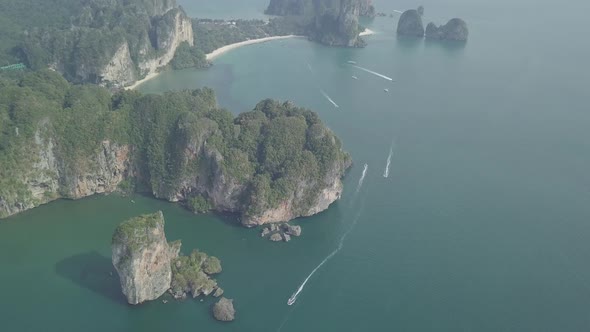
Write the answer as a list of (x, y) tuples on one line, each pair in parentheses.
[(410, 24), (224, 310)]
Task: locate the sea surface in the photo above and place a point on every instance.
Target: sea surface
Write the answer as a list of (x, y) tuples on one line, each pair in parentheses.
[(483, 223)]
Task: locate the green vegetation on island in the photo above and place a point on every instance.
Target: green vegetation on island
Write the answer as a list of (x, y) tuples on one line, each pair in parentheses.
[(191, 274), (330, 22), (63, 140)]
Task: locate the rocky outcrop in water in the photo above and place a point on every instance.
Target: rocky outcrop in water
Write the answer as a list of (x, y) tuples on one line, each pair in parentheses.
[(455, 29), (410, 24), (192, 275), (282, 232), (142, 257), (224, 310)]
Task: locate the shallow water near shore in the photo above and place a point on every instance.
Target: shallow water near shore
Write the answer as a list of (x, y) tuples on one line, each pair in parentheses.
[(482, 224)]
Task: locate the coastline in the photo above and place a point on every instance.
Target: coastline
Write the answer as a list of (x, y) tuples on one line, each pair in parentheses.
[(230, 47), (222, 50)]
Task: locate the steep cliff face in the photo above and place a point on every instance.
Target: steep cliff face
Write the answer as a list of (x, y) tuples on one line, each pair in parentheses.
[(272, 164), (50, 177), (142, 257), (336, 23), (305, 200), (455, 29), (330, 22), (112, 43), (121, 69), (170, 31)]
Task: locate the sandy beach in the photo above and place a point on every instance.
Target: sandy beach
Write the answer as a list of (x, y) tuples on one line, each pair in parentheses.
[(367, 32), (227, 48), (230, 47)]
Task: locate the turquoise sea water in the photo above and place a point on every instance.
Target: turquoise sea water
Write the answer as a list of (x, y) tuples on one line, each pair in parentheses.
[(482, 224)]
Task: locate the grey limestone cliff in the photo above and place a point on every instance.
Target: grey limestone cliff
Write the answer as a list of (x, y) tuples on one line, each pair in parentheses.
[(142, 257), (51, 177), (115, 43)]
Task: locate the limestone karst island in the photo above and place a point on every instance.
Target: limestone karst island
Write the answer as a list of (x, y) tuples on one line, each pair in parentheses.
[(294, 166)]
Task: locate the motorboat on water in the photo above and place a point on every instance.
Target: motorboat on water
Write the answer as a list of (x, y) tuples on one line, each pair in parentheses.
[(386, 90), (354, 77)]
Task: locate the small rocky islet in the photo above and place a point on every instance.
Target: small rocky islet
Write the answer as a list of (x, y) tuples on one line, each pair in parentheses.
[(410, 24), (280, 232), (149, 266)]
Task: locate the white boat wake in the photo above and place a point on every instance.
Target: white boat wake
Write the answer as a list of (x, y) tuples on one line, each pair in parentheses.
[(293, 297), (310, 69), (373, 72), (329, 99), (386, 173), (362, 179), (398, 11)]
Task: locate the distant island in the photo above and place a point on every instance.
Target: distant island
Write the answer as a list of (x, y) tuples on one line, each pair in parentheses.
[(117, 44), (410, 24)]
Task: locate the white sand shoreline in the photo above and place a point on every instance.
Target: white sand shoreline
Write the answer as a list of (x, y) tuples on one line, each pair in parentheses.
[(230, 47), (222, 50), (367, 32)]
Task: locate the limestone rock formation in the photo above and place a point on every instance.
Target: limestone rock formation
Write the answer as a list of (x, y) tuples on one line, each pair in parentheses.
[(192, 274), (218, 292), (421, 10), (224, 310), (50, 177), (330, 22), (229, 170), (455, 29), (142, 256), (366, 8), (410, 24), (336, 23), (282, 232), (292, 230), (114, 43)]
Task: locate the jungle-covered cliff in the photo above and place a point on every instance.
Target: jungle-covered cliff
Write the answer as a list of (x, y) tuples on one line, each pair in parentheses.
[(108, 42), (57, 140)]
